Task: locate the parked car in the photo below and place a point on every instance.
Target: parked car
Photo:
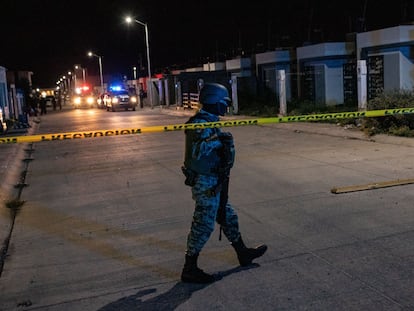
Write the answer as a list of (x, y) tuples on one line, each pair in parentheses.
[(49, 100), (120, 99)]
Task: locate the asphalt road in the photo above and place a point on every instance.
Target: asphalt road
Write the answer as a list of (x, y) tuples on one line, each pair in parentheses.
[(105, 221)]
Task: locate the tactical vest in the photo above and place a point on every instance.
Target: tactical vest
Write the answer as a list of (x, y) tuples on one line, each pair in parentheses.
[(205, 164)]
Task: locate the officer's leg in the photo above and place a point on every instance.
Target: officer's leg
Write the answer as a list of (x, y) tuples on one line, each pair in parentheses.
[(230, 228), (201, 228)]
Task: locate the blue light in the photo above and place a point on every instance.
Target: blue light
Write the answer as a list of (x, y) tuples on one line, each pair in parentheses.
[(116, 88)]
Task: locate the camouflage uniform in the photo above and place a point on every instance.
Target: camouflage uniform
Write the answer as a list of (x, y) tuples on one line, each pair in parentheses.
[(209, 157), (205, 147)]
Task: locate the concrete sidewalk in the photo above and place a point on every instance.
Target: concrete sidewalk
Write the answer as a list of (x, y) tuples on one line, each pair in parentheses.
[(10, 168), (12, 162), (11, 165)]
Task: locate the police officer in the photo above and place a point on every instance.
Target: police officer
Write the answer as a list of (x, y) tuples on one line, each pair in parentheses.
[(209, 156)]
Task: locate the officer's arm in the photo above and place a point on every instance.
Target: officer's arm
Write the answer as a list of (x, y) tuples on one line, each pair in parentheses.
[(206, 143)]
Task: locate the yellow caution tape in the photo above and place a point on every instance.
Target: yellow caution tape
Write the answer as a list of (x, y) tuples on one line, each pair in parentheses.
[(224, 123)]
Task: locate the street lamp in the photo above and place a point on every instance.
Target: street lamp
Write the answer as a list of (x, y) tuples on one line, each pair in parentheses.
[(70, 82), (83, 73), (130, 20), (90, 54)]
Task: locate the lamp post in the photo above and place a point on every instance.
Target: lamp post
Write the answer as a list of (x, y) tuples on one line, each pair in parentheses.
[(130, 20), (90, 54), (75, 78), (83, 74), (65, 83), (70, 82)]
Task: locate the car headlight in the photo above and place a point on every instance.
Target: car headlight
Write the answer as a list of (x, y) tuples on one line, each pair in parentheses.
[(133, 99), (115, 100), (90, 100), (77, 100)]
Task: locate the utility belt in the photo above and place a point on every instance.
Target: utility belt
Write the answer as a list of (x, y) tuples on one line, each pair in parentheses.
[(191, 179), (191, 175)]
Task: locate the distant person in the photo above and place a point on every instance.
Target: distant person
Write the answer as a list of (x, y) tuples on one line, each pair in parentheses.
[(33, 105), (209, 156), (60, 102), (43, 109), (141, 98), (54, 103)]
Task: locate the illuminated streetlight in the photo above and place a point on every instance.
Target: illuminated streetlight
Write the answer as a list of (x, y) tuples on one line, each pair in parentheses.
[(83, 73), (130, 20), (70, 82), (90, 54)]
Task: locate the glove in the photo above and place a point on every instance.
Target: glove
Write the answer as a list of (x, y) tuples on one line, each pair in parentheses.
[(190, 176)]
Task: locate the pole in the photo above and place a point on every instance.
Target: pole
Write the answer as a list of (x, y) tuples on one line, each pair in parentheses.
[(129, 20), (362, 84), (281, 76), (149, 65), (75, 79), (100, 72)]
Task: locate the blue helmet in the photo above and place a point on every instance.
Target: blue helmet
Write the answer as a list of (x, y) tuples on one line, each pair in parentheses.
[(215, 98)]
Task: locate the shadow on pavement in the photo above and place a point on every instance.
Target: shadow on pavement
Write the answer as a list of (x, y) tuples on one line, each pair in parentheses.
[(169, 300)]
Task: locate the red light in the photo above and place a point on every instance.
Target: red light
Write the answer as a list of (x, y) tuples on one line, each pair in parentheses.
[(85, 88)]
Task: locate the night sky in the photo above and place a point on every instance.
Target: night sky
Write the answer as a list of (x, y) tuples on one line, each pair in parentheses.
[(50, 37)]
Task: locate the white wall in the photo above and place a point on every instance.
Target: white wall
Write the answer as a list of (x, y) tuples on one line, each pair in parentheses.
[(214, 66), (385, 36), (273, 57), (406, 73), (325, 49)]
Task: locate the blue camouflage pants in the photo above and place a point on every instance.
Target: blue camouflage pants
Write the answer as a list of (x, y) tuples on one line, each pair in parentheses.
[(205, 213)]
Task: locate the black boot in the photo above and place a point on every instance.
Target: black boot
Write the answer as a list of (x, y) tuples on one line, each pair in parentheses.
[(246, 255), (192, 274)]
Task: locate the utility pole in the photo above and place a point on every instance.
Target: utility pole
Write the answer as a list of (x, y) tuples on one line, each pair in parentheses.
[(363, 18)]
